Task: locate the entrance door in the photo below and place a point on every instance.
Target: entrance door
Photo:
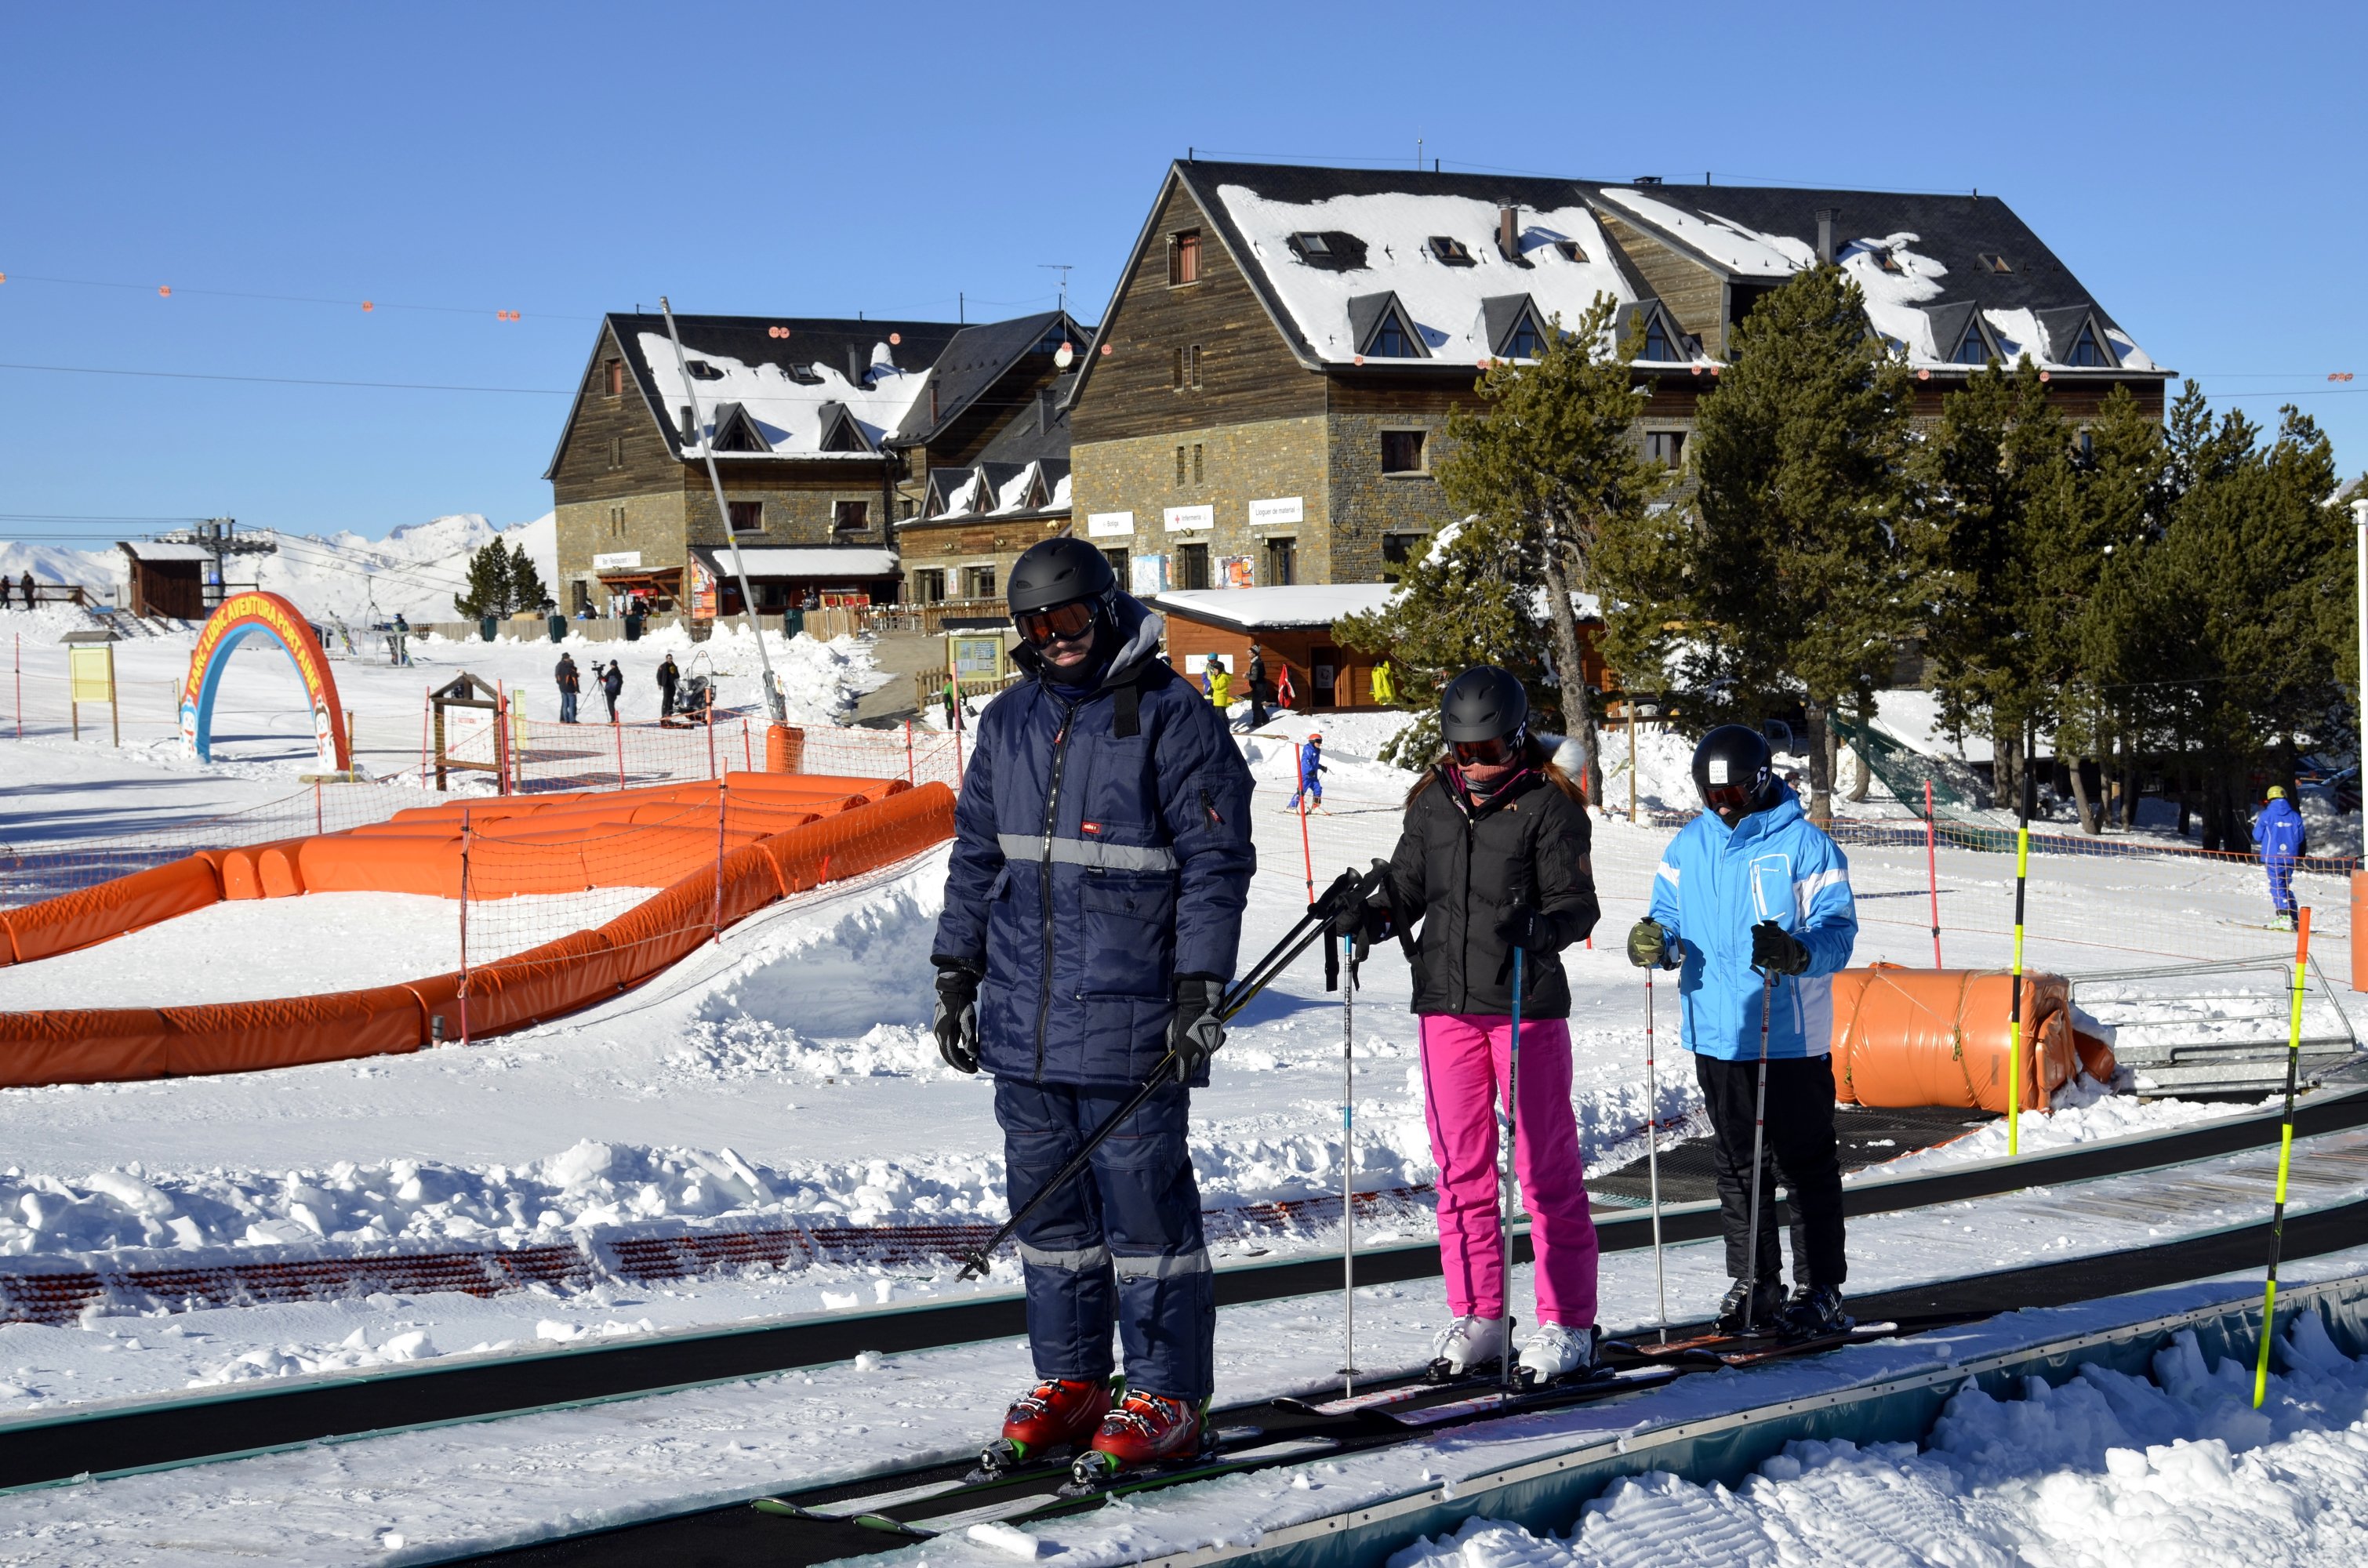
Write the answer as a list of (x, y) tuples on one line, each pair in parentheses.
[(1324, 674)]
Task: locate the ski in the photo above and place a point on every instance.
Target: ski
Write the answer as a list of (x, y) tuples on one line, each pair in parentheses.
[(1744, 1349)]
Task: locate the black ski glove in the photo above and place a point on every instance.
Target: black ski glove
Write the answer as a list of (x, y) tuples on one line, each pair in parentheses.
[(955, 1022), (1648, 945), (1527, 929), (1775, 950), (1196, 1031)]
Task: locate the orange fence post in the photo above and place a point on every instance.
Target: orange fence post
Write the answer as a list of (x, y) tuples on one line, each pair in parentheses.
[(711, 729), (723, 812), (317, 827), (958, 757), (747, 753), (427, 704), (2359, 932), (501, 741), (909, 751), (464, 925), (619, 732)]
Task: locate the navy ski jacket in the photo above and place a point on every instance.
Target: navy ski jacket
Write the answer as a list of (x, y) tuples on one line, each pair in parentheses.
[(1092, 866)]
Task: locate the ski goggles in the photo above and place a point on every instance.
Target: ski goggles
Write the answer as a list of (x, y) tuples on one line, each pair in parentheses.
[(1069, 620), (1727, 797), (1493, 753)]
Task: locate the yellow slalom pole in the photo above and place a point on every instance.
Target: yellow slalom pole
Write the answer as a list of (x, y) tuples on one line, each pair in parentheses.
[(2285, 1159), (2014, 1003)]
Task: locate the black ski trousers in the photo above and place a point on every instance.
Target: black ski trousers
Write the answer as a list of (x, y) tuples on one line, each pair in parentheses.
[(1800, 1143)]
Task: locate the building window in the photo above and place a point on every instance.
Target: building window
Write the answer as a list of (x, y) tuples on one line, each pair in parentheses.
[(1184, 258), (1176, 372), (1192, 565), (1402, 451), (747, 516), (1994, 263), (850, 517), (616, 522), (1974, 349), (616, 451), (1192, 367), (978, 581), (1180, 468), (904, 507), (613, 378), (928, 587), (1399, 552), (1666, 447), (1196, 462), (1450, 251), (1657, 341), (1391, 340), (2085, 350), (1117, 558), (1525, 343), (580, 594), (1281, 563), (1570, 250)]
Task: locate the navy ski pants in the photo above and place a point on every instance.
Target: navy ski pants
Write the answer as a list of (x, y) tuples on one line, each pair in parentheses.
[(1122, 1240)]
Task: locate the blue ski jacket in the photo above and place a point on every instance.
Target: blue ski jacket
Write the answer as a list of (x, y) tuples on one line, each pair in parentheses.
[(1310, 763), (1715, 884), (2278, 832), (1101, 849)]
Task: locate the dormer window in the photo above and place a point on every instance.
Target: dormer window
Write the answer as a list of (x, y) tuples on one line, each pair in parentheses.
[(1525, 343), (1391, 340), (1656, 340), (1449, 251), (2086, 352), (1973, 348), (700, 370)]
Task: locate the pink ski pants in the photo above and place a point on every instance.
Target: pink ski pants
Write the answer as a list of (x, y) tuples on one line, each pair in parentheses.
[(1464, 1062)]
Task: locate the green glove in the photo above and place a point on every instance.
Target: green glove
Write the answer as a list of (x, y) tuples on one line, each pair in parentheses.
[(1648, 945)]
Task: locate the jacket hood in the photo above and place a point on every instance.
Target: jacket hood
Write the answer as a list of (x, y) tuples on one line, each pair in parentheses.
[(1135, 628)]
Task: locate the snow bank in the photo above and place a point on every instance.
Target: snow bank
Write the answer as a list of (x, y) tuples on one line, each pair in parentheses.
[(2108, 1469)]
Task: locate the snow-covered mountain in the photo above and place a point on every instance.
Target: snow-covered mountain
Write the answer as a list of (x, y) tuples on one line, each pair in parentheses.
[(414, 570)]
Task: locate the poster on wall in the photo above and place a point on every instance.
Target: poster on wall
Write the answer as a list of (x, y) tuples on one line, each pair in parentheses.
[(1235, 572), (1147, 575), (702, 590)]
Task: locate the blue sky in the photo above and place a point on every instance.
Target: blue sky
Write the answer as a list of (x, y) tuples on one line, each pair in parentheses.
[(2198, 168)]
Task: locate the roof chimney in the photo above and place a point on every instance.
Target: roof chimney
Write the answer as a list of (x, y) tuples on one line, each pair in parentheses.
[(1044, 411), (689, 431), (854, 365), (1508, 231), (1825, 216)]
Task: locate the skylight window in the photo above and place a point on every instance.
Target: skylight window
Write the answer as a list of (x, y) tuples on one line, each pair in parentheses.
[(700, 370), (1451, 252), (1570, 250), (2086, 351), (1313, 245), (1886, 258), (1991, 262)]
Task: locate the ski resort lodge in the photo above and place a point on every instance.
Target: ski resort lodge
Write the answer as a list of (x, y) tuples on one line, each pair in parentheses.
[(1265, 403)]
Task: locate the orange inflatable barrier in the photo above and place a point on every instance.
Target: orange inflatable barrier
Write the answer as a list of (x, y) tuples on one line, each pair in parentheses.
[(1908, 1037), (427, 862), (95, 915)]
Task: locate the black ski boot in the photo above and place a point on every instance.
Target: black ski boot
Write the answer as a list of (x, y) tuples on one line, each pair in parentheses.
[(1767, 1308), (1815, 1314)]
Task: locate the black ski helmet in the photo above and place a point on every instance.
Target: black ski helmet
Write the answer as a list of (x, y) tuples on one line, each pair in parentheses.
[(1484, 703), (1056, 571), (1732, 767)]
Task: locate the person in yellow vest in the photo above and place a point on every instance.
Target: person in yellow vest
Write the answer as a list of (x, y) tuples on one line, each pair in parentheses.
[(1386, 685)]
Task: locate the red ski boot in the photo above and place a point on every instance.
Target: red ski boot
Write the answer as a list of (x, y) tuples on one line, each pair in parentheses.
[(1057, 1414), (1146, 1430)]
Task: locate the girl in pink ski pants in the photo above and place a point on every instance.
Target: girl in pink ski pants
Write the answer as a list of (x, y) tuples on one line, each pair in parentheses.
[(1463, 1062)]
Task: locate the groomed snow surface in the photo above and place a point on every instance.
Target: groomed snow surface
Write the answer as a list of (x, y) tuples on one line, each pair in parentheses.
[(2104, 1471)]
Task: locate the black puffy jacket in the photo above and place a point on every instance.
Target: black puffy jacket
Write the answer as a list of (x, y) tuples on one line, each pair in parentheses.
[(1460, 868)]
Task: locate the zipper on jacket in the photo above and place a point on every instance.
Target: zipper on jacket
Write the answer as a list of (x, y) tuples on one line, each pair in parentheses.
[(1208, 808), (1044, 876)]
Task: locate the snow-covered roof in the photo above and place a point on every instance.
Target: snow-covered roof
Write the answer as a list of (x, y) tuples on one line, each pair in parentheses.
[(1260, 609), (849, 561), (1333, 249), (150, 549), (788, 398), (998, 490)]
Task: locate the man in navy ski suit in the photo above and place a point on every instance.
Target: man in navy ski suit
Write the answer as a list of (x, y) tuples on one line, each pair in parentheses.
[(2278, 834), (1100, 865)]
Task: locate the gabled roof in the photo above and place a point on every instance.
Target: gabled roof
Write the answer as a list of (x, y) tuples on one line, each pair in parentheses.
[(1368, 313), (1039, 488), (1915, 257), (840, 430), (978, 358), (736, 432), (1394, 216), (1501, 313)]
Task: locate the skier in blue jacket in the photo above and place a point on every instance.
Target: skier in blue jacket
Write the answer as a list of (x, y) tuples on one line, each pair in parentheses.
[(1100, 864), (2278, 835), (1311, 775), (1752, 906)]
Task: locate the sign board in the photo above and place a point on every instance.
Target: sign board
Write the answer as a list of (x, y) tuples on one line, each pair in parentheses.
[(93, 672), (702, 590), (617, 560), (1277, 509), (1183, 518), (1147, 575), (981, 656), (1235, 572), (1110, 525)]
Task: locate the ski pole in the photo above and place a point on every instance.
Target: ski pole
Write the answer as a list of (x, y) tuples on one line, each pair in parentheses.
[(1653, 1157), (1759, 1134), (1346, 888), (1505, 1184), (2014, 1001), (2285, 1159), (1349, 1166), (1932, 873)]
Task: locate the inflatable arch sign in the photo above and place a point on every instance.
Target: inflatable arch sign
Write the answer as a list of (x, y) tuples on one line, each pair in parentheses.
[(241, 617)]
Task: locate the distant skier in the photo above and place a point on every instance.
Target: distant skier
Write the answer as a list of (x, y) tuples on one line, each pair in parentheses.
[(1311, 775), (612, 686), (1494, 859), (570, 684), (1752, 884), (668, 676), (1093, 904), (2280, 837)]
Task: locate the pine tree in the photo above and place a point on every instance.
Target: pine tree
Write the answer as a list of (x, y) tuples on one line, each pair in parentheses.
[(1794, 575), (527, 591), (489, 584)]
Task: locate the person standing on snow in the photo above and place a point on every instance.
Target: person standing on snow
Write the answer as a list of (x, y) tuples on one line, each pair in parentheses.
[(1093, 905), (1310, 774), (1221, 687), (1493, 861), (2280, 837), (668, 677), (570, 683), (612, 686), (1752, 885), (1257, 673)]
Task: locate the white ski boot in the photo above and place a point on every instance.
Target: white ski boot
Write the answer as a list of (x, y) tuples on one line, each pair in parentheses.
[(1557, 1352), (1466, 1347)]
